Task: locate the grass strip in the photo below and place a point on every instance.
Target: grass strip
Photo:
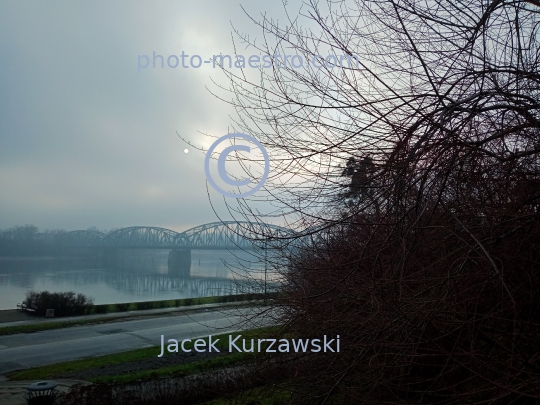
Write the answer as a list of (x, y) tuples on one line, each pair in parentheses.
[(38, 327), (44, 372), (176, 371)]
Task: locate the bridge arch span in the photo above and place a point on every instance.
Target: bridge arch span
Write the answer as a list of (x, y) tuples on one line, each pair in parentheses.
[(145, 237), (214, 235), (231, 234)]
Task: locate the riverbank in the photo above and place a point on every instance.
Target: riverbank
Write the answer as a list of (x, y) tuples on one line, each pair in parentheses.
[(15, 315), (37, 324), (26, 323)]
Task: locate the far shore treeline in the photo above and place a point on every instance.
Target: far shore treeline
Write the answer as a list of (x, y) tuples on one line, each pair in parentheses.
[(30, 241)]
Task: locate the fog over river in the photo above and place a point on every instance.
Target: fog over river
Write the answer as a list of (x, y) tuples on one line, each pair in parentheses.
[(141, 275)]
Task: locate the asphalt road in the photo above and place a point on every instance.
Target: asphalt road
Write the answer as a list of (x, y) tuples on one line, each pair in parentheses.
[(48, 347)]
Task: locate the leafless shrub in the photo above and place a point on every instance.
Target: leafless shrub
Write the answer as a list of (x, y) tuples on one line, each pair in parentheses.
[(422, 251)]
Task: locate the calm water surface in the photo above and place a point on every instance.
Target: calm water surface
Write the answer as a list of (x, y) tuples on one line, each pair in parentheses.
[(142, 276)]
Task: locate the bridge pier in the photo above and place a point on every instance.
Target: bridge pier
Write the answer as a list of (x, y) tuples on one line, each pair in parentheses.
[(110, 257), (179, 262)]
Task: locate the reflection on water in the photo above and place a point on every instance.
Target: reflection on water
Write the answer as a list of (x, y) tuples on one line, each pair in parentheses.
[(141, 276)]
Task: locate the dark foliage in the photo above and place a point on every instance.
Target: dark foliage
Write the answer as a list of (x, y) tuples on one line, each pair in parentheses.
[(224, 383), (446, 314), (64, 303), (423, 252)]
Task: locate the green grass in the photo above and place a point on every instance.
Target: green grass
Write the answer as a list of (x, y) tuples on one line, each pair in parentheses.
[(176, 371), (44, 372), (37, 327), (40, 373)]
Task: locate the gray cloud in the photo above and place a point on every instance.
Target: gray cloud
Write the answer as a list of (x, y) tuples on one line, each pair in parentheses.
[(85, 139)]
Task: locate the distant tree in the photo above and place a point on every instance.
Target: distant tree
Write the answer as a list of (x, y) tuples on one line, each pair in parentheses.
[(28, 241), (96, 229), (63, 303), (26, 232)]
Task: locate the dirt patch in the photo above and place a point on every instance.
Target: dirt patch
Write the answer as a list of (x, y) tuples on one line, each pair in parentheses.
[(153, 363)]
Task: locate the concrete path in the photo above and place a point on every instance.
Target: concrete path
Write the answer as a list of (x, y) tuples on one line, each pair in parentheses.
[(22, 351)]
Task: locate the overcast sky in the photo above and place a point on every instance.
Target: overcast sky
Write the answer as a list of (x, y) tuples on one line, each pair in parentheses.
[(87, 140)]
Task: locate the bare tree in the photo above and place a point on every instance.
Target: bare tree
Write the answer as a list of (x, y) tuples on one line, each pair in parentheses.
[(406, 155)]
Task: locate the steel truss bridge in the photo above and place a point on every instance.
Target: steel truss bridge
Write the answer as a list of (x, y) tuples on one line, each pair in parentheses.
[(215, 235)]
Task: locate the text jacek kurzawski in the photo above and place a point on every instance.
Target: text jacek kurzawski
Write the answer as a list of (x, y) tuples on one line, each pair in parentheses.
[(239, 344)]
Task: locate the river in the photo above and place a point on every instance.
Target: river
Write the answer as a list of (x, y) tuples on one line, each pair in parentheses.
[(143, 276)]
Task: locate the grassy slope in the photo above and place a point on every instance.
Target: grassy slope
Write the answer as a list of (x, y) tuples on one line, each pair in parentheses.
[(44, 372)]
